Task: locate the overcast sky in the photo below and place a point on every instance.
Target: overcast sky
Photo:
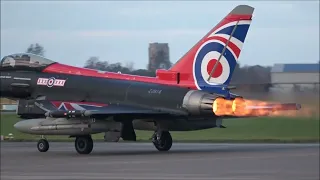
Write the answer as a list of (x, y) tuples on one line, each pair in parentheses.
[(71, 32)]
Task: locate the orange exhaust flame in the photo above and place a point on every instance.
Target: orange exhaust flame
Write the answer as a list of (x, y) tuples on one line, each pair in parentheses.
[(222, 107), (241, 107)]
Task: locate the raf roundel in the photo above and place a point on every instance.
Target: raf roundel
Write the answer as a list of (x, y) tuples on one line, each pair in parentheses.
[(50, 82), (216, 58), (207, 62)]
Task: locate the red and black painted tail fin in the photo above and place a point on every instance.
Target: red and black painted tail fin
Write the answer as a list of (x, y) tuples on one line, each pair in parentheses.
[(211, 62)]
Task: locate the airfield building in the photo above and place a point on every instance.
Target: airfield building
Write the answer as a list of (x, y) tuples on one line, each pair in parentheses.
[(295, 77), (7, 104)]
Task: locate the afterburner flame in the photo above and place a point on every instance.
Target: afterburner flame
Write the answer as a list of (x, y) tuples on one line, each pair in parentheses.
[(239, 107), (222, 106), (246, 107)]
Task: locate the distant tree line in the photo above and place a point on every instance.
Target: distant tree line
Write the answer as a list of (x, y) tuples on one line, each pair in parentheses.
[(95, 63), (36, 49)]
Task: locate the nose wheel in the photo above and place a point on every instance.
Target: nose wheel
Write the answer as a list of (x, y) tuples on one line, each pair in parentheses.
[(43, 145), (162, 140)]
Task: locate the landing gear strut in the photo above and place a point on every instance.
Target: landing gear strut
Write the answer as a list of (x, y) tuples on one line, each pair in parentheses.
[(43, 145), (162, 140), (83, 144)]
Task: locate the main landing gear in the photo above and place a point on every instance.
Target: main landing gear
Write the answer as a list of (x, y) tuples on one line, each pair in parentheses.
[(162, 140), (43, 145), (82, 144)]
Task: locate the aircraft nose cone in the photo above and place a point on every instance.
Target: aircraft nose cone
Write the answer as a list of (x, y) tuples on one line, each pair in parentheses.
[(23, 126)]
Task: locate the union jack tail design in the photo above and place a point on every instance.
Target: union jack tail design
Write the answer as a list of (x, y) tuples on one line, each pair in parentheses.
[(77, 105), (213, 59)]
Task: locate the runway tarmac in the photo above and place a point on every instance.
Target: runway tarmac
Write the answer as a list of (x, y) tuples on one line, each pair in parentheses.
[(141, 161)]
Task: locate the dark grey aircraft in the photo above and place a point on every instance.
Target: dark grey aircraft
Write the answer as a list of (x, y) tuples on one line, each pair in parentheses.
[(57, 99)]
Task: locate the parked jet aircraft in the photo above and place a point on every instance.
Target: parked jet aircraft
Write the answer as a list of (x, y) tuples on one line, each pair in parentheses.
[(59, 99)]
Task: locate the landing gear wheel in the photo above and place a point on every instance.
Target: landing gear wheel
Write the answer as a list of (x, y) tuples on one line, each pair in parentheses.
[(43, 145), (83, 144), (162, 142)]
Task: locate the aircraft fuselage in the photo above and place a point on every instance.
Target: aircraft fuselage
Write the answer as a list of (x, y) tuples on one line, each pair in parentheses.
[(38, 87)]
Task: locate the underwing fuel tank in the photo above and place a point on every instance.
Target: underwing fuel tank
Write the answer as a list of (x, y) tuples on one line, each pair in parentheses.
[(63, 126)]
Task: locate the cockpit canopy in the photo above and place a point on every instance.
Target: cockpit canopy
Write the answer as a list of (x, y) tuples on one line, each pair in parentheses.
[(24, 61)]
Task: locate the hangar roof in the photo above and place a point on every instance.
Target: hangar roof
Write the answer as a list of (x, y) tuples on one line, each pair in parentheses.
[(296, 68)]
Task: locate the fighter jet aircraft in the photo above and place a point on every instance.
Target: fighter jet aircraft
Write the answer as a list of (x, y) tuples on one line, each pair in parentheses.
[(58, 99)]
